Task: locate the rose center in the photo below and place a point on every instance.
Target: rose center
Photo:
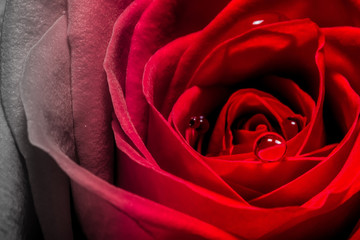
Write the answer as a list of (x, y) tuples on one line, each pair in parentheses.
[(250, 121)]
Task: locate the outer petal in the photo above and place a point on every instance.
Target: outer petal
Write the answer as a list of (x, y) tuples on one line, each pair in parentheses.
[(25, 22), (341, 53), (234, 20), (17, 218), (16, 205), (115, 66), (100, 204), (356, 232), (90, 27), (162, 22)]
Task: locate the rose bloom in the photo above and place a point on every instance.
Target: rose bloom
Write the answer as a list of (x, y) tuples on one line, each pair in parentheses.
[(172, 119)]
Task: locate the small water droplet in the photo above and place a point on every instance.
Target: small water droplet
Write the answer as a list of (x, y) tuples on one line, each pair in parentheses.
[(194, 122), (266, 18), (270, 147), (257, 22), (199, 123), (291, 127)]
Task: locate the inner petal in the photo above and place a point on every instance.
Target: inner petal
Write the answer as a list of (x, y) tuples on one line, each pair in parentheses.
[(247, 114)]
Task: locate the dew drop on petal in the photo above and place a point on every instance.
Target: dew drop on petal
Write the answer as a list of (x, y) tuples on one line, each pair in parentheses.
[(257, 22), (194, 122), (199, 123), (270, 147), (291, 127), (266, 18), (204, 125)]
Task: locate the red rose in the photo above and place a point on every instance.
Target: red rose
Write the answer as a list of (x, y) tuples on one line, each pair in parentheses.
[(232, 120)]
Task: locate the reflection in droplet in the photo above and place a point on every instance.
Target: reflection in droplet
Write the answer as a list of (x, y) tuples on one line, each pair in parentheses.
[(291, 127), (266, 18), (200, 123), (257, 22), (270, 147), (194, 122)]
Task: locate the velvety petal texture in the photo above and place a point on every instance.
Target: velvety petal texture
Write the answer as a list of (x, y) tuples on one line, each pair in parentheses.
[(24, 24), (169, 119), (89, 31), (196, 76), (14, 189)]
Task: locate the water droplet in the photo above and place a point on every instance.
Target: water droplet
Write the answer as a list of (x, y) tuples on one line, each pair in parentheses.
[(270, 147), (199, 123), (266, 18), (257, 22), (194, 122), (291, 127)]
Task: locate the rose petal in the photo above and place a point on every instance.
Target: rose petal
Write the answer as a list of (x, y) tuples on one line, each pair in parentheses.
[(162, 22), (348, 177), (192, 103), (180, 159), (16, 203), (242, 103), (321, 152), (138, 217), (48, 128), (48, 69), (297, 191), (227, 214), (26, 22), (90, 27), (277, 40), (341, 53), (356, 232), (225, 25), (264, 48), (336, 223), (117, 53), (17, 219), (258, 176), (159, 71), (196, 101), (2, 10), (290, 94)]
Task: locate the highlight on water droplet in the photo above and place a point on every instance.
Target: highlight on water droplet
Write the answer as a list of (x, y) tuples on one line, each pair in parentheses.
[(194, 122), (291, 127), (265, 18), (270, 147), (257, 22), (199, 123)]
